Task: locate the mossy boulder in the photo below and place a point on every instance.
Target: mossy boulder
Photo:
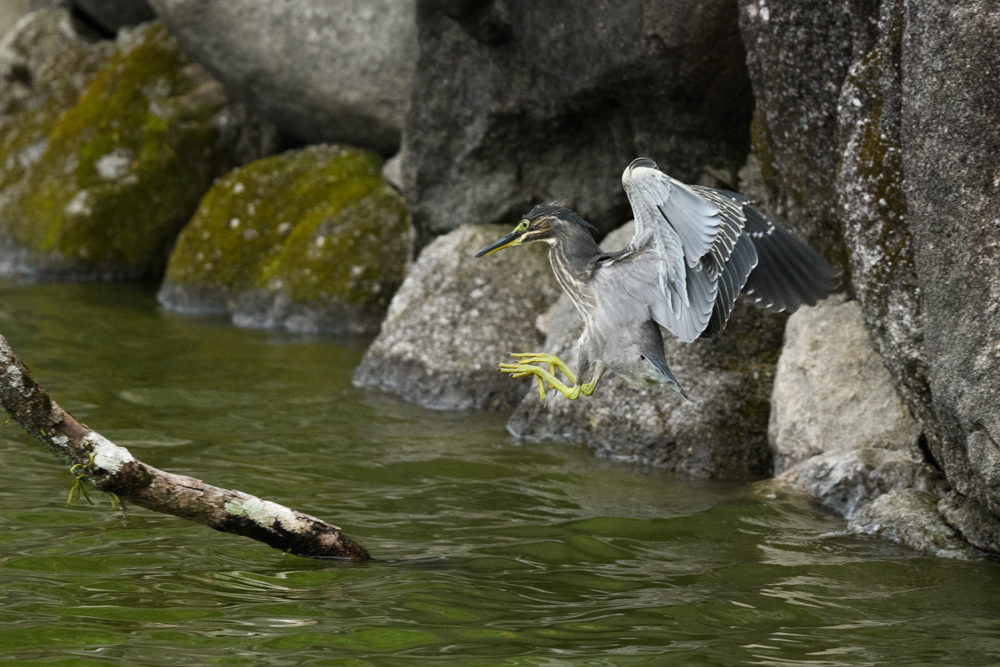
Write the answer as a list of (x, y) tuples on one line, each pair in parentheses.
[(311, 240), (117, 175), (44, 68)]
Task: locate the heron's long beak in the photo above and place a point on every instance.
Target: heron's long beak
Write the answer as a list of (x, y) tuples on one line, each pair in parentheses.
[(511, 239)]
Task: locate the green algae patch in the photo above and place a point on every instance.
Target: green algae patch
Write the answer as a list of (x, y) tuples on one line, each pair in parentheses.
[(312, 240), (123, 169)]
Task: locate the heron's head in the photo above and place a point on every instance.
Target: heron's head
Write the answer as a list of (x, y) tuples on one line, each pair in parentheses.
[(549, 223)]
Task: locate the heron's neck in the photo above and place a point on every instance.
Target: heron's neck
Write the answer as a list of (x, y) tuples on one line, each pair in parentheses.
[(571, 260)]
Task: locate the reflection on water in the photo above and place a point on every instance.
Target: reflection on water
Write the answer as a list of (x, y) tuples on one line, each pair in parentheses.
[(490, 552)]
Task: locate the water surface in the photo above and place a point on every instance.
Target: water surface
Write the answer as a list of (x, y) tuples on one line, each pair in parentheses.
[(489, 552)]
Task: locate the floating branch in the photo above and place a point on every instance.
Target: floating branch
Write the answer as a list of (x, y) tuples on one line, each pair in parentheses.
[(112, 469)]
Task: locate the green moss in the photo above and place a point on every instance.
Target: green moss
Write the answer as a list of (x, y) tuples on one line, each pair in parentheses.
[(30, 112), (316, 224), (145, 121)]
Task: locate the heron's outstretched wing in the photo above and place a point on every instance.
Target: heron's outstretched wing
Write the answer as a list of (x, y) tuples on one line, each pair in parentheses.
[(789, 273), (682, 243)]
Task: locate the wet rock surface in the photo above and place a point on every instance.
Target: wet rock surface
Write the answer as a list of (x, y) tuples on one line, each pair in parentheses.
[(911, 517), (976, 523), (455, 318), (310, 240), (846, 480), (721, 432), (115, 177), (499, 124), (323, 72)]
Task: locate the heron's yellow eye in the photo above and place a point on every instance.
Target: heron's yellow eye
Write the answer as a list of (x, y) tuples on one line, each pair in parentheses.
[(522, 227)]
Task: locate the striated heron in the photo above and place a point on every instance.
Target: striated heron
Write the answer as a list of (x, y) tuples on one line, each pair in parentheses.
[(694, 250)]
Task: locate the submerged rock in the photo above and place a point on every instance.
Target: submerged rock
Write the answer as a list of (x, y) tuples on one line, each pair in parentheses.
[(311, 240), (838, 428), (910, 517), (321, 71), (456, 317), (518, 101), (117, 175), (720, 432)]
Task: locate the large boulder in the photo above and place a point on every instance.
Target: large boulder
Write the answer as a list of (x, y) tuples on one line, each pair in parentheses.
[(881, 118), (311, 240), (838, 428), (456, 317), (951, 149), (720, 432), (517, 101), (102, 191), (322, 71)]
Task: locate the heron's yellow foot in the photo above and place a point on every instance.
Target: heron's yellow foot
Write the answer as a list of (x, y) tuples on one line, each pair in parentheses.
[(525, 367), (542, 358)]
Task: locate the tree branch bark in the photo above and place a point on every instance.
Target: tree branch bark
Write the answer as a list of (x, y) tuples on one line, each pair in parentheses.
[(113, 469)]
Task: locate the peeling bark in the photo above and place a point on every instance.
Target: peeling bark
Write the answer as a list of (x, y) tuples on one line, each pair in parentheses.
[(113, 469)]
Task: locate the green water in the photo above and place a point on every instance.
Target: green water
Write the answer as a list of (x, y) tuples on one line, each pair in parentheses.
[(490, 552)]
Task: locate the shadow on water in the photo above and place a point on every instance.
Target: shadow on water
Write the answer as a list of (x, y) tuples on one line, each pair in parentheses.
[(489, 552)]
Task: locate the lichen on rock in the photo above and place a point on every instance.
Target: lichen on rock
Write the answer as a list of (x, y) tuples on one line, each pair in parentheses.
[(122, 169), (310, 240)]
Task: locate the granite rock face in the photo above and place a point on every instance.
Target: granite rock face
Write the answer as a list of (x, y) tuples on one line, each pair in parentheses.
[(839, 430), (721, 432), (100, 190), (798, 53), (321, 71), (951, 151), (911, 517), (311, 240), (881, 117), (517, 102), (874, 209), (455, 318)]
